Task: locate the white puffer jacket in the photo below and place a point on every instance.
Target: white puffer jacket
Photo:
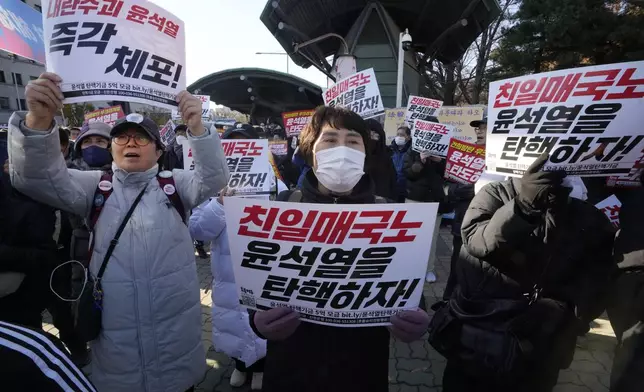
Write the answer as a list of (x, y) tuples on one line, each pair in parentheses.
[(151, 334)]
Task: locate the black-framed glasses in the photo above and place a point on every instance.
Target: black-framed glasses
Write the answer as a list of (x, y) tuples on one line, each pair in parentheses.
[(140, 140)]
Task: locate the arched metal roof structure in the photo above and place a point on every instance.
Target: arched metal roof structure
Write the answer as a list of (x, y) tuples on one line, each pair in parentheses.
[(259, 92), (432, 23)]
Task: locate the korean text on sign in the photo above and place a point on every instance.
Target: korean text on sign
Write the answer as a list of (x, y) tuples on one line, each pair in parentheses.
[(588, 119), (205, 108), (431, 137), (339, 265), (248, 163), (419, 108), (128, 50), (465, 162), (107, 115), (611, 207), (278, 147), (167, 133), (294, 122), (394, 119), (460, 118), (359, 93)]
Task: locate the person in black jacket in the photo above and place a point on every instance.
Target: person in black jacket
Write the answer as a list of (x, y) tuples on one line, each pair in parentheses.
[(381, 168), (626, 309), (534, 270), (28, 252), (398, 150), (425, 184), (303, 357), (173, 156)]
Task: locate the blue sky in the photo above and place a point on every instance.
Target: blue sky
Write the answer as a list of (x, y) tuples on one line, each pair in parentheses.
[(223, 34)]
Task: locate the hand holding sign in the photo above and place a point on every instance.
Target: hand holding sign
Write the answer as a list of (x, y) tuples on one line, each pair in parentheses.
[(537, 187), (44, 99), (190, 109), (277, 323), (409, 325)]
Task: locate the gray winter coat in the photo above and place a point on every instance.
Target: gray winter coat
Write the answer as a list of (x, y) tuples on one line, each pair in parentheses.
[(151, 335)]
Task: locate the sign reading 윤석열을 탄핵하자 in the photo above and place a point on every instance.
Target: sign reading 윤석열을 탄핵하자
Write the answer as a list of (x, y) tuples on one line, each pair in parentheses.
[(127, 50), (338, 265), (588, 119), (359, 93)]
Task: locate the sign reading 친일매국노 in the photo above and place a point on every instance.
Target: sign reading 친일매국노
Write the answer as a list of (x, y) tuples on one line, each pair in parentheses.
[(294, 122), (337, 265), (127, 50), (588, 119), (420, 108), (465, 162), (431, 137), (359, 93)]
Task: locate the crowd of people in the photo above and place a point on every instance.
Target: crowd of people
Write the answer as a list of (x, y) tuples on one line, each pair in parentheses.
[(98, 226)]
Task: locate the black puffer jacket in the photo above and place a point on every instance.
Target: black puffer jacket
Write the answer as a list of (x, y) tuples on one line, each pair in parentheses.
[(504, 254), (318, 358), (425, 180), (26, 246)]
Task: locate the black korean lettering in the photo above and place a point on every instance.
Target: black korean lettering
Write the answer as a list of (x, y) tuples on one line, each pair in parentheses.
[(255, 180), (245, 165), (567, 150), (560, 119), (538, 145), (512, 147), (346, 295), (373, 263), (259, 254), (95, 29), (128, 63), (348, 96), (303, 260), (360, 93), (317, 291), (597, 118), (504, 121), (236, 180), (436, 137), (398, 290), (530, 119), (329, 267), (62, 38), (622, 146), (160, 67), (232, 164), (278, 288)]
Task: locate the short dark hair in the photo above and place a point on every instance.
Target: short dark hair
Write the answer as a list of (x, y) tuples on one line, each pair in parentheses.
[(63, 134), (406, 129), (337, 118), (181, 128)]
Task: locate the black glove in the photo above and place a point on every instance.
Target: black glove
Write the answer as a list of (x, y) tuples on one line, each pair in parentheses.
[(538, 187)]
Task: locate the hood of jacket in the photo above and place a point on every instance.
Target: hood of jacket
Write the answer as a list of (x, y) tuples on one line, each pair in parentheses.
[(363, 192)]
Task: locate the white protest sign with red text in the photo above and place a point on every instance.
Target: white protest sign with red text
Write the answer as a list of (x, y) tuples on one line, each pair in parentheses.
[(611, 206), (127, 50), (107, 115), (465, 162), (431, 137), (294, 122), (248, 163), (588, 119), (167, 133), (359, 93), (419, 108), (338, 265)]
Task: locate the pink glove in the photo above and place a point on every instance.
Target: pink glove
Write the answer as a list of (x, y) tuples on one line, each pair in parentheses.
[(409, 325), (277, 323)]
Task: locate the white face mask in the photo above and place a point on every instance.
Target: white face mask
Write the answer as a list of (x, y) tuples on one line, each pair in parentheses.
[(181, 139), (340, 168), (400, 140)]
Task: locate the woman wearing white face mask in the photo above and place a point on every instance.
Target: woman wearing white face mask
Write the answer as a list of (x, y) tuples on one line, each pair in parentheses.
[(303, 357)]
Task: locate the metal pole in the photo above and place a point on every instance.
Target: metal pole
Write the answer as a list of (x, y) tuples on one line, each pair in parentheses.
[(15, 84), (401, 68), (287, 69)]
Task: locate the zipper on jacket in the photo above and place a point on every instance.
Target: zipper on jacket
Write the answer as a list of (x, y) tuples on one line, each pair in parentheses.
[(335, 200)]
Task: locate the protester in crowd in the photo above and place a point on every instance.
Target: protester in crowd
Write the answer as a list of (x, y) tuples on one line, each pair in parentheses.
[(92, 148), (626, 309), (381, 169), (33, 360), (459, 196), (231, 331), (73, 133), (65, 143), (300, 163), (150, 338), (311, 357), (27, 251), (173, 158), (399, 148), (533, 272), (425, 182)]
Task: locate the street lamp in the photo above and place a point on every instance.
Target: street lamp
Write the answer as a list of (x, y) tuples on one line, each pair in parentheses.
[(404, 44), (279, 54)]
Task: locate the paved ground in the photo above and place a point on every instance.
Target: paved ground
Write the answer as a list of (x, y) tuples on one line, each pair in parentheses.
[(417, 367)]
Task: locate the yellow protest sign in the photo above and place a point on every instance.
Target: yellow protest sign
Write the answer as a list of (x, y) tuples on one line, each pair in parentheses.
[(460, 118)]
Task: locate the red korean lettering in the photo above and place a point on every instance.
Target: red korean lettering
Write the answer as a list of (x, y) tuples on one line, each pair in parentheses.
[(137, 14), (505, 97), (171, 29), (159, 22), (403, 228), (288, 219), (332, 227), (368, 230), (630, 84), (111, 8), (254, 216), (597, 88)]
